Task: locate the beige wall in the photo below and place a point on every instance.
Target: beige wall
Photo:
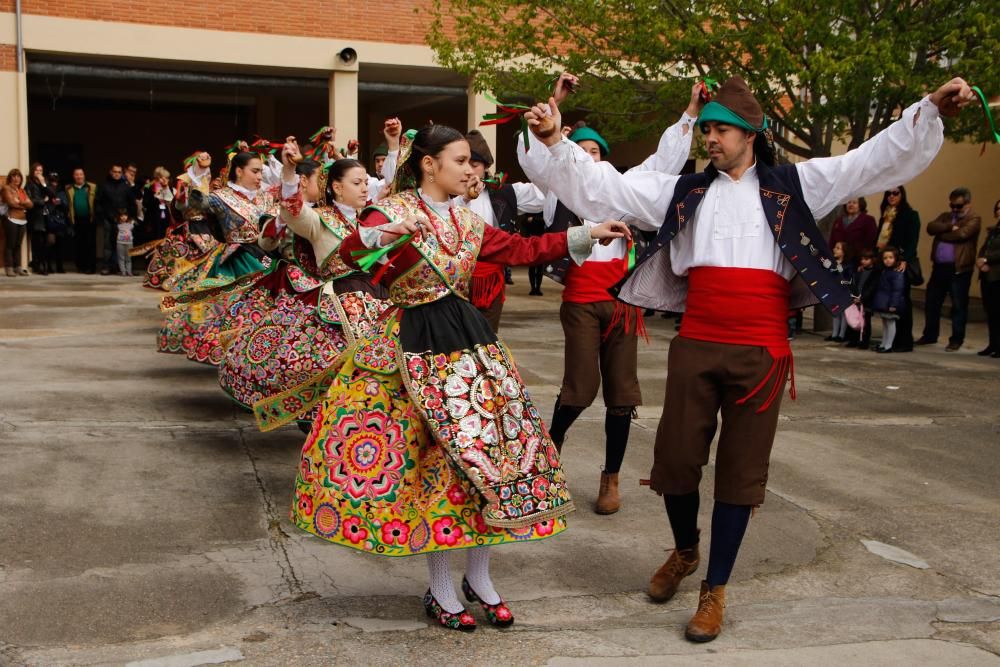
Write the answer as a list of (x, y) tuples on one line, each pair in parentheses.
[(955, 166)]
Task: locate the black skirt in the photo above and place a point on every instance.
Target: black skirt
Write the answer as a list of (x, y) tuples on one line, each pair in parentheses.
[(444, 326)]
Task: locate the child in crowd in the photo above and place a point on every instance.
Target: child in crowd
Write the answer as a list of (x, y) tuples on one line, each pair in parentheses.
[(889, 298), (846, 271), (125, 227), (863, 287)]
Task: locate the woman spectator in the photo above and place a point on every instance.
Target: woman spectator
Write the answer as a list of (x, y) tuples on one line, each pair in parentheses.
[(899, 228), (57, 223), (38, 192), (988, 263), (156, 200), (15, 198), (855, 228)]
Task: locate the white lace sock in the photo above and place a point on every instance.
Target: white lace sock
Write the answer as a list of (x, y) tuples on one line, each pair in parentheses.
[(442, 586), (477, 571)]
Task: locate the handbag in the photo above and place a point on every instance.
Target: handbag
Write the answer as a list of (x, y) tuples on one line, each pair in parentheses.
[(914, 274)]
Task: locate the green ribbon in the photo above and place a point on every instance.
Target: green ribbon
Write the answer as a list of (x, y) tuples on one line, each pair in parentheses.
[(990, 123), (506, 113), (369, 257)]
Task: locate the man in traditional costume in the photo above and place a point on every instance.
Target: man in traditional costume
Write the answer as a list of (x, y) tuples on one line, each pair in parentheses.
[(737, 246)]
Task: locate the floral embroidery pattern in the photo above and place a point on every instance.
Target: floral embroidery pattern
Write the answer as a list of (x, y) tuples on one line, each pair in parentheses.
[(478, 410), (383, 485)]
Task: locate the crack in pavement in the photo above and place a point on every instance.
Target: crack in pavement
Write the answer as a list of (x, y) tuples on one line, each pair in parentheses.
[(276, 536)]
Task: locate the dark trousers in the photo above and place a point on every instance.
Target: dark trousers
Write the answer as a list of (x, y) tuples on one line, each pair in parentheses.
[(991, 302), (40, 261), (13, 237), (862, 338), (904, 325), (535, 274), (86, 246), (109, 251), (945, 282)]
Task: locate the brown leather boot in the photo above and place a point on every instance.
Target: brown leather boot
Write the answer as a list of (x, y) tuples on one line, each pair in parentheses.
[(665, 581), (706, 624), (608, 500)]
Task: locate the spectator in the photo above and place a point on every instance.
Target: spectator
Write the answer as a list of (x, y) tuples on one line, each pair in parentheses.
[(899, 228), (953, 255), (839, 334), (125, 230), (856, 228), (115, 194), (863, 290), (989, 277), (57, 222), (17, 203), (156, 200), (889, 298), (83, 217), (38, 192)]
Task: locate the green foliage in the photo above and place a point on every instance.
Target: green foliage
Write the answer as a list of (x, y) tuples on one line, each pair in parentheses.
[(840, 69)]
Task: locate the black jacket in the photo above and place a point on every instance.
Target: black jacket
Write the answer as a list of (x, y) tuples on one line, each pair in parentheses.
[(112, 196)]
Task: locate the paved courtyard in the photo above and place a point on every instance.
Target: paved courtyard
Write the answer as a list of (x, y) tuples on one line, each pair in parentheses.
[(143, 518)]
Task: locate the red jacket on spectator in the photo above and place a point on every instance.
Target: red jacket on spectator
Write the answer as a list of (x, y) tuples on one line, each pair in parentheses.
[(859, 235)]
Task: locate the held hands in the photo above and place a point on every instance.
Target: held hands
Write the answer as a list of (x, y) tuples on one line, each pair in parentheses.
[(290, 156), (696, 102), (606, 232), (565, 85), (474, 188), (901, 267), (952, 97), (409, 226), (545, 121), (392, 130)]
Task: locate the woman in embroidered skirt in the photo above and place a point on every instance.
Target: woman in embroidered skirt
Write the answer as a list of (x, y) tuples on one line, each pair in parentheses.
[(427, 440), (219, 282), (300, 318)]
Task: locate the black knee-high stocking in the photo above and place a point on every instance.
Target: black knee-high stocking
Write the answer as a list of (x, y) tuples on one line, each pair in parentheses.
[(729, 524), (562, 418), (617, 422), (683, 514)]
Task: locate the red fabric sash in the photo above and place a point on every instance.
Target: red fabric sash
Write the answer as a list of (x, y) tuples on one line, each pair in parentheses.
[(487, 284), (590, 282), (743, 307)]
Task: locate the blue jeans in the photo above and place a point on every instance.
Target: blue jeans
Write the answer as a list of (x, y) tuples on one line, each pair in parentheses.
[(945, 282)]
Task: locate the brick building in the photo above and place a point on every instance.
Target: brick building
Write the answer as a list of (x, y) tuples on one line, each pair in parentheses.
[(103, 81)]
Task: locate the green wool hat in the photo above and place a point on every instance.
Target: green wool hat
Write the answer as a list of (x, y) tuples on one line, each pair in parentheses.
[(734, 104), (586, 133), (382, 150)]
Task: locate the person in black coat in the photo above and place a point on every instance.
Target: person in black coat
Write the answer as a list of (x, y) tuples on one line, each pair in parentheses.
[(38, 193), (863, 285), (113, 195), (889, 300)]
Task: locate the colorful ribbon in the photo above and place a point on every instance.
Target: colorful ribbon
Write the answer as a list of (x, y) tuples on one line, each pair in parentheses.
[(505, 114), (320, 132), (496, 182), (988, 113), (191, 159), (707, 86), (368, 257)]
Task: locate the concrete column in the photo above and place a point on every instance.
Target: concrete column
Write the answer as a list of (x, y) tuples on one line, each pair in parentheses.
[(344, 105), (14, 145), (478, 106)]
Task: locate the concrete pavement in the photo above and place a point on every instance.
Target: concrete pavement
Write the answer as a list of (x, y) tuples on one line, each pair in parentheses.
[(143, 519)]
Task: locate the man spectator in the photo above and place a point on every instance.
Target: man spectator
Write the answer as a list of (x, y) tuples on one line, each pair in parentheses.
[(954, 257), (113, 196), (83, 218)]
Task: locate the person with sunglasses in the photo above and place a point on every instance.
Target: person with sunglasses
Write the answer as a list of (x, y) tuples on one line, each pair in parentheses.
[(955, 236)]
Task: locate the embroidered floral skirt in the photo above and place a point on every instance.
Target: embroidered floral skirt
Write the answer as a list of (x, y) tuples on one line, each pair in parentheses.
[(294, 328), (384, 473)]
